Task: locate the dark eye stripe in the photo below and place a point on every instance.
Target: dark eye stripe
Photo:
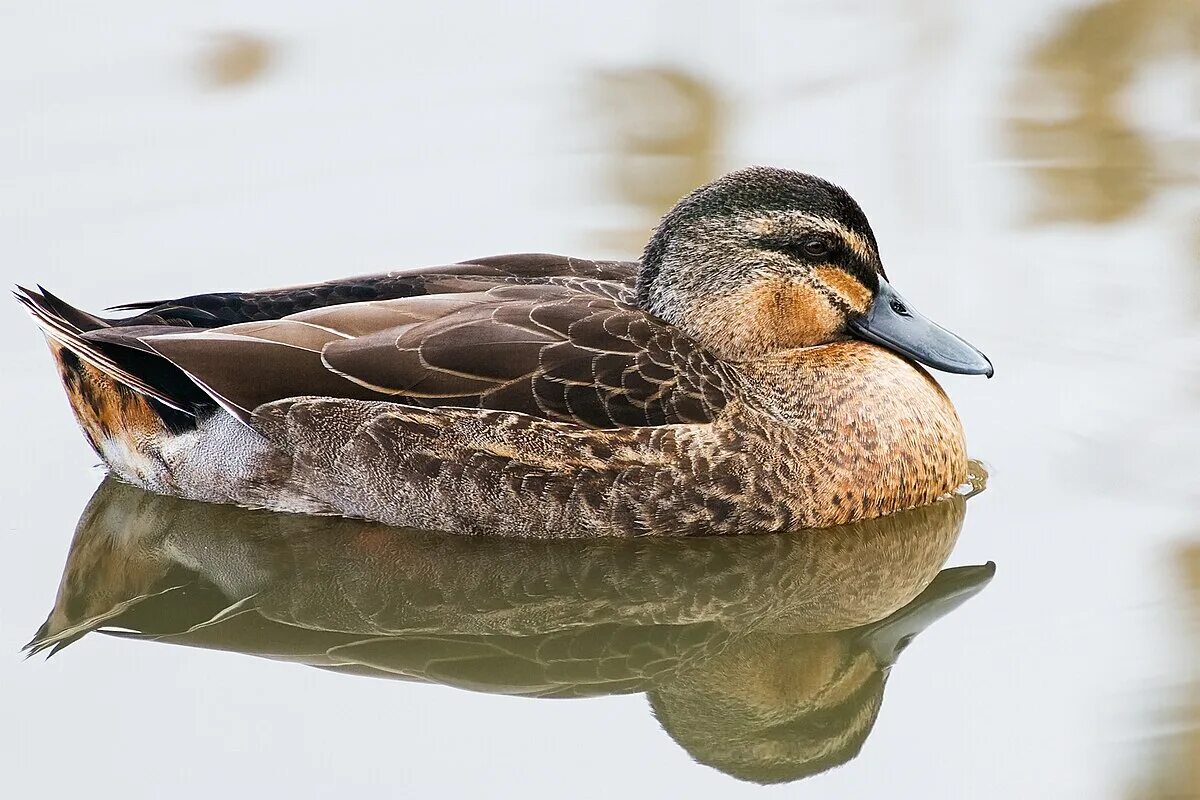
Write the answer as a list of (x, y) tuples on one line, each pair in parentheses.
[(841, 255), (811, 249), (795, 245), (855, 266)]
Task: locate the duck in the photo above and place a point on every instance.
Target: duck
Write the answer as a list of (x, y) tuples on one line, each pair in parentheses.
[(754, 371), (764, 657)]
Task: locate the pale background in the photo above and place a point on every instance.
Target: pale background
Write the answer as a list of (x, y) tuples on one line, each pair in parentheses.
[(1030, 169)]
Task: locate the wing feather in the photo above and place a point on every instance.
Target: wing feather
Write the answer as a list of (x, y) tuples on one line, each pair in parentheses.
[(565, 348), (242, 372), (549, 351)]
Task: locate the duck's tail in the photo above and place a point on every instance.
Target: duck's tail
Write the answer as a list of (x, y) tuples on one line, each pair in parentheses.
[(66, 326), (125, 400)]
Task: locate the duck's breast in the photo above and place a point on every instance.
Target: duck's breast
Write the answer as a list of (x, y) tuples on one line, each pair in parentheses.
[(852, 431)]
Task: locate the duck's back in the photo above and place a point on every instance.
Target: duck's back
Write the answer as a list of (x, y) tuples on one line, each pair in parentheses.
[(217, 309)]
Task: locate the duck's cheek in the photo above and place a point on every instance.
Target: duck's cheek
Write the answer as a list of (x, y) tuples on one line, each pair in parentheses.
[(850, 289), (767, 316), (798, 314)]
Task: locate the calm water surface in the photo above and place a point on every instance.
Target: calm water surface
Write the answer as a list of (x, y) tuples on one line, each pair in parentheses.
[(1030, 171)]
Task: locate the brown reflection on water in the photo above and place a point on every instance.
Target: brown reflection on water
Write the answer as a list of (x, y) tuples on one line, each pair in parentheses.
[(1188, 765), (1176, 771), (1090, 158), (235, 58), (664, 126), (765, 657)]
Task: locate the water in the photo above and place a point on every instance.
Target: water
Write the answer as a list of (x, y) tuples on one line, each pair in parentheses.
[(1030, 172)]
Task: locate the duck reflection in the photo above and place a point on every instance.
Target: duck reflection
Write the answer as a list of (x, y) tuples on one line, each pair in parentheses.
[(1094, 157), (763, 656)]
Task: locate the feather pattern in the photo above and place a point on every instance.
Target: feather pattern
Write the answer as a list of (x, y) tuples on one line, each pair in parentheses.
[(228, 308), (564, 349)]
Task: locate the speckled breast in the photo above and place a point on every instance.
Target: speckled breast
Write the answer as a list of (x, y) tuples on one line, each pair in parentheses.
[(850, 431)]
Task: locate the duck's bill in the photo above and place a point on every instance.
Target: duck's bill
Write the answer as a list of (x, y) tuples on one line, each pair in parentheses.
[(949, 590), (894, 324)]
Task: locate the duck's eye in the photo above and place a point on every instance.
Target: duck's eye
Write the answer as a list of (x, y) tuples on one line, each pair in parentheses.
[(815, 247), (806, 249)]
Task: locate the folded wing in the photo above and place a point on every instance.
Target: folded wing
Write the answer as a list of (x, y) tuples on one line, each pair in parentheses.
[(566, 351)]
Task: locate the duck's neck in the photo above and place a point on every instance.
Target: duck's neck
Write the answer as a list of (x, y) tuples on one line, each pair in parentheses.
[(865, 431), (849, 379)]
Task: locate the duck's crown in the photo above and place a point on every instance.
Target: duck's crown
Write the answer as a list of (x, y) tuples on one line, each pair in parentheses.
[(750, 192)]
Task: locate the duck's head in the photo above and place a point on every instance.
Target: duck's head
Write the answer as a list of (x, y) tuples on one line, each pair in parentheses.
[(767, 259)]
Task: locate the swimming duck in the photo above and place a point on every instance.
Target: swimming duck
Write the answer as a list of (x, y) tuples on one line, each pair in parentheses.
[(753, 372)]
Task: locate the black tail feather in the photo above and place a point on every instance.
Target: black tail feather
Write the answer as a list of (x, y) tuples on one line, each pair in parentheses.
[(143, 372), (81, 320), (141, 306)]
